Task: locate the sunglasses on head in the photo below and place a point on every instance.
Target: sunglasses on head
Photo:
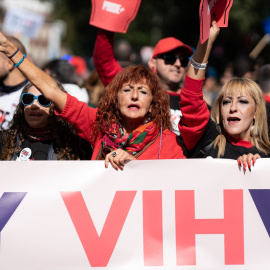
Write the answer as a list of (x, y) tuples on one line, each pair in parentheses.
[(170, 59), (28, 99)]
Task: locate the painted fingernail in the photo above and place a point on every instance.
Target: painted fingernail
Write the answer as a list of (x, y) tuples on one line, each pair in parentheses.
[(249, 166), (245, 166), (253, 162), (239, 163)]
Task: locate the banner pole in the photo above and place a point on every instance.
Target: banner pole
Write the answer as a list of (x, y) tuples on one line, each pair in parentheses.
[(260, 46)]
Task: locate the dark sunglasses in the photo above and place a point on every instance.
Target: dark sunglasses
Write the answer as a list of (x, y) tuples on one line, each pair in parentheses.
[(170, 59), (28, 99)]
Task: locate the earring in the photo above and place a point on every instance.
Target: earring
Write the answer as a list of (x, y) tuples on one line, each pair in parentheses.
[(218, 127), (252, 131)]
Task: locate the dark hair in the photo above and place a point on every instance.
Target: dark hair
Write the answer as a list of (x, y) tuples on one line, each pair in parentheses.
[(122, 50), (60, 70), (243, 64), (67, 144), (124, 53), (264, 78), (108, 106), (95, 88)]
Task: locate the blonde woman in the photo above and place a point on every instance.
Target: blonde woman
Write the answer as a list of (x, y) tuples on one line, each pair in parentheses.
[(237, 128)]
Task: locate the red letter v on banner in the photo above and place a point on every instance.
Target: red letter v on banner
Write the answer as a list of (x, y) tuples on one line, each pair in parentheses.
[(98, 248)]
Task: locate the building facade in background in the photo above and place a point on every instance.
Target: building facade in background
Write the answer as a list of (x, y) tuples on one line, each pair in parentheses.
[(31, 22)]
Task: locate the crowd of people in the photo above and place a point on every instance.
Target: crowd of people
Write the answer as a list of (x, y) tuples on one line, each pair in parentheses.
[(153, 111)]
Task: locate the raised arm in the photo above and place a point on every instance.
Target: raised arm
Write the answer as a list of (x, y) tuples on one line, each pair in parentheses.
[(104, 58), (202, 53), (42, 81), (195, 114)]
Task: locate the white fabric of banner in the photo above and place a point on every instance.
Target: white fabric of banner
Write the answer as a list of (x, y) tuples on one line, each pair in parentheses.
[(157, 215)]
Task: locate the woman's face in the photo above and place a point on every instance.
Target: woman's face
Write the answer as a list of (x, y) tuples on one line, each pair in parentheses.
[(134, 100), (36, 115), (238, 114)]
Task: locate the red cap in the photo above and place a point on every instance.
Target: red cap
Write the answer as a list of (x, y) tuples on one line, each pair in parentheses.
[(169, 44), (80, 66)]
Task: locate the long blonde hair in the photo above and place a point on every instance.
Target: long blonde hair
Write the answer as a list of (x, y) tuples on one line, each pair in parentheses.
[(259, 136)]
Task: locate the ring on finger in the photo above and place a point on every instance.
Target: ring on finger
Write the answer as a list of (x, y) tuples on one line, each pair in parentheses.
[(113, 154)]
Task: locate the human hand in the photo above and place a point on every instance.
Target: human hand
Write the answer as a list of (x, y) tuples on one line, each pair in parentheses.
[(6, 46), (247, 160), (3, 42), (118, 158), (214, 32), (202, 53)]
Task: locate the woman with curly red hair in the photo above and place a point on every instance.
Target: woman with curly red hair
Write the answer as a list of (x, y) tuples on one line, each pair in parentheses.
[(132, 121)]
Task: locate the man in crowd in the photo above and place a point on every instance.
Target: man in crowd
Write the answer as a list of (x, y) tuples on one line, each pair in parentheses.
[(12, 82)]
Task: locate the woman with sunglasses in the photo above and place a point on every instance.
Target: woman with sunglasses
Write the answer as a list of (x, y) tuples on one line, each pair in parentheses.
[(237, 128), (132, 121), (36, 133)]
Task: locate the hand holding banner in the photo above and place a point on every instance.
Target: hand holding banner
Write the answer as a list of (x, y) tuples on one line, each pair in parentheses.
[(209, 8), (113, 15)]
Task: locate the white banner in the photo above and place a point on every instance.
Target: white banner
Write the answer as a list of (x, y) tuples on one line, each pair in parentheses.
[(167, 214)]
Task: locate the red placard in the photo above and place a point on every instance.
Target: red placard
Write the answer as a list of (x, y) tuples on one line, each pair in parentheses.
[(113, 15), (220, 9)]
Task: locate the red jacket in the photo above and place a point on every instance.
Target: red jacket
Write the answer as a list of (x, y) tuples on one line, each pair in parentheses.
[(104, 59), (195, 114), (83, 118)]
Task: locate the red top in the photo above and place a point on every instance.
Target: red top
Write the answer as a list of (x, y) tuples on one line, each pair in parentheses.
[(267, 98), (104, 59), (195, 114), (83, 118)]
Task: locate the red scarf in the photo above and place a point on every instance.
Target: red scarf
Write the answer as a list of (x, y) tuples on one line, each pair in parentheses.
[(39, 134), (133, 143)]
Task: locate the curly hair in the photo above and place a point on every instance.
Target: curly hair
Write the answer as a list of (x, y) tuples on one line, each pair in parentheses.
[(108, 105), (66, 143), (259, 136)]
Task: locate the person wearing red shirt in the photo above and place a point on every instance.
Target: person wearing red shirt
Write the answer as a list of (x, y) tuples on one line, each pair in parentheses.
[(237, 128), (132, 121)]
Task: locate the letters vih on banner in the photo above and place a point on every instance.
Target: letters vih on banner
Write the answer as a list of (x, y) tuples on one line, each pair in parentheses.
[(113, 15), (218, 9)]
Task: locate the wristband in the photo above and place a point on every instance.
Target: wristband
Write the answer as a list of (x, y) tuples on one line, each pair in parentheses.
[(16, 65), (13, 53), (198, 65)]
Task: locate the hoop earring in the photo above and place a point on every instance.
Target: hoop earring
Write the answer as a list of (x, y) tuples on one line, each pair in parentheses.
[(252, 128), (252, 131), (218, 127)]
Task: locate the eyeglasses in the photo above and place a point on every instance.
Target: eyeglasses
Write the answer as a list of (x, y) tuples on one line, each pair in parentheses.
[(28, 99), (170, 59)]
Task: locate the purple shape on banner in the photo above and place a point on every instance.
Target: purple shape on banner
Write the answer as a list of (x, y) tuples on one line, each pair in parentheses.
[(261, 198), (8, 204)]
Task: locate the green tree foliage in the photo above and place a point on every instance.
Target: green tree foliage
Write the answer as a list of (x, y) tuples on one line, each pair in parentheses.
[(178, 18)]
